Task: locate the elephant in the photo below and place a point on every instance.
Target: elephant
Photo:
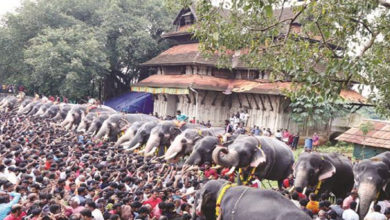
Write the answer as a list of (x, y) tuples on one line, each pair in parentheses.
[(372, 177), (184, 143), (268, 157), (26, 101), (8, 103), (129, 133), (63, 111), (86, 121), (52, 111), (243, 203), (100, 114), (97, 123), (74, 116), (142, 135), (324, 172), (42, 110), (113, 125), (162, 135), (202, 151), (27, 108), (35, 108)]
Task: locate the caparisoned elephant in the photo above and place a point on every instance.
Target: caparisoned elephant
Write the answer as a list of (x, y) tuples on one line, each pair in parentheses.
[(129, 133), (142, 135), (372, 178), (74, 116), (324, 172), (115, 123), (52, 111), (202, 151), (162, 136), (63, 111), (8, 103), (271, 158), (184, 143), (42, 110), (243, 203), (35, 108)]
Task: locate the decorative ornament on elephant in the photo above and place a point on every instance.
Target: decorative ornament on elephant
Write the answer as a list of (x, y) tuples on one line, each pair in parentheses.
[(372, 178), (219, 199), (263, 157), (324, 173)]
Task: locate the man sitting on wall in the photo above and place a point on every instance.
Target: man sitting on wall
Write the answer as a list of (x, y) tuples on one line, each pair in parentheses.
[(181, 119)]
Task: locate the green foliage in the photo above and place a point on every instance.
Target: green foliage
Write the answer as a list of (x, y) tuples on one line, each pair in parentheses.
[(351, 43), (76, 47), (366, 127)]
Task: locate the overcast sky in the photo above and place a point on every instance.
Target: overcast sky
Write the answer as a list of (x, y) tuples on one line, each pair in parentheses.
[(8, 6)]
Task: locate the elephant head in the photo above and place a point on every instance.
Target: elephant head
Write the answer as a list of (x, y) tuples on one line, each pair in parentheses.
[(206, 199), (97, 123), (129, 133), (73, 117), (161, 135), (23, 104), (86, 122), (35, 108), (202, 151), (242, 152), (312, 168), (184, 143), (51, 112), (62, 112), (371, 181), (42, 110), (142, 135)]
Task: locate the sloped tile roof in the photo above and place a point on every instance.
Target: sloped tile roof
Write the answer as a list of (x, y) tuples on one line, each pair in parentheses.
[(378, 137), (231, 85)]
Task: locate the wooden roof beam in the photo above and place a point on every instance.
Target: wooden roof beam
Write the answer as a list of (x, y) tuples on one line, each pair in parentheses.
[(239, 100), (270, 103), (262, 103), (204, 97), (257, 104), (247, 99), (215, 99)]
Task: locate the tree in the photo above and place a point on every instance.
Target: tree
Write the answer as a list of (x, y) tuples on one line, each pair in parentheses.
[(322, 47), (81, 48)]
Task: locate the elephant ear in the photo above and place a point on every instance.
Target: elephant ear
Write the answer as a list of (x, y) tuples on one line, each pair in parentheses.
[(258, 157), (327, 170)]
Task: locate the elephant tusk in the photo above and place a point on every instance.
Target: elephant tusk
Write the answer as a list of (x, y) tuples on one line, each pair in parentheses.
[(231, 171), (291, 189), (217, 167), (304, 190), (151, 152), (171, 157)]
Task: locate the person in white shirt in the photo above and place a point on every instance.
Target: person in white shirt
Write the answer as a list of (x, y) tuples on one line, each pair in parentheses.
[(96, 213), (375, 215), (350, 214)]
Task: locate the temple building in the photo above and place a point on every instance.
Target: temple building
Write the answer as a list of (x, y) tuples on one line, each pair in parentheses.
[(191, 83)]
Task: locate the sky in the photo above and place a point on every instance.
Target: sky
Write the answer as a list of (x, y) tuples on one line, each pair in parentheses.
[(8, 6)]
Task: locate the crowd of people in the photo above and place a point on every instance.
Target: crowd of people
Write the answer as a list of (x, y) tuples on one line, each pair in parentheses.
[(47, 172)]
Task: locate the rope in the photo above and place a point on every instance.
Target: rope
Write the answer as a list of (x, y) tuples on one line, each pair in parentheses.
[(220, 196), (237, 201)]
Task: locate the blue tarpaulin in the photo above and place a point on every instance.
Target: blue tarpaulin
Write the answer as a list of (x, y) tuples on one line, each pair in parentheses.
[(132, 102)]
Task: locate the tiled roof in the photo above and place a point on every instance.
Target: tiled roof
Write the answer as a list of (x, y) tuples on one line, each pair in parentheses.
[(379, 136), (230, 85), (187, 54)]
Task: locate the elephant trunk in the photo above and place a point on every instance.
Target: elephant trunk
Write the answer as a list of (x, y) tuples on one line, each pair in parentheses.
[(367, 194), (229, 159), (136, 140), (153, 141), (129, 135), (301, 178), (175, 148), (193, 159), (103, 130)]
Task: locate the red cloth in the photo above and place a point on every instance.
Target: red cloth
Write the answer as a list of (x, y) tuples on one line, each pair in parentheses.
[(152, 202), (286, 183), (47, 165), (301, 196), (231, 177), (12, 217), (211, 172)]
